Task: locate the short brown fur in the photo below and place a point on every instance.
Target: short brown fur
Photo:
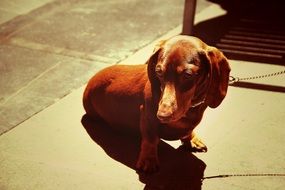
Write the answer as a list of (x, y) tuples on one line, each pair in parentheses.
[(165, 98)]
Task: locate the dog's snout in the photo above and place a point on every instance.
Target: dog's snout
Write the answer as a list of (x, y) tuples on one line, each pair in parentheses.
[(165, 112), (168, 104), (164, 116)]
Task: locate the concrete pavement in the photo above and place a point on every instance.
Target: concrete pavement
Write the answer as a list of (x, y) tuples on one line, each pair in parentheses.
[(53, 150), (50, 48)]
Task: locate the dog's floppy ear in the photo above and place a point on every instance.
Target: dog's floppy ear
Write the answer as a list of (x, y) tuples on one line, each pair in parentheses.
[(151, 64), (219, 77)]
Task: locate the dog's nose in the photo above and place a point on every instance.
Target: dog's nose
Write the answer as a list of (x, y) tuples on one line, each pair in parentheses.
[(164, 116)]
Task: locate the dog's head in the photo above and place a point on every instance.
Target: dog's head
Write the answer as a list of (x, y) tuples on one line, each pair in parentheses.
[(186, 72)]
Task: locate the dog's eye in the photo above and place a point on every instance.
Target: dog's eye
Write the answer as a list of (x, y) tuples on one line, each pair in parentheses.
[(188, 74), (158, 70)]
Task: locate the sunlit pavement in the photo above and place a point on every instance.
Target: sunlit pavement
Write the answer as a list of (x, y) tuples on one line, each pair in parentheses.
[(52, 150)]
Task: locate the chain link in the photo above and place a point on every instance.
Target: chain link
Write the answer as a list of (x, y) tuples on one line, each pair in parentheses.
[(233, 80), (245, 175)]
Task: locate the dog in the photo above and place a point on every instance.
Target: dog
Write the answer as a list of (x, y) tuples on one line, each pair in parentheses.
[(162, 99)]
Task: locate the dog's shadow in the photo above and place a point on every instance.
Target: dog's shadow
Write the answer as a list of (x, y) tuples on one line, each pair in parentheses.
[(178, 169)]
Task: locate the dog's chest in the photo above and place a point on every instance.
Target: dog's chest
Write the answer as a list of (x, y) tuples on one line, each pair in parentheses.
[(174, 131)]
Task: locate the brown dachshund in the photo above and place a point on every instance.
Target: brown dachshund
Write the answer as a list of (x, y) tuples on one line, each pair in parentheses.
[(165, 98)]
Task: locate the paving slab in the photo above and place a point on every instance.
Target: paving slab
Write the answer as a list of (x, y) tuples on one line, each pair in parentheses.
[(246, 138), (84, 36), (44, 80), (69, 39), (10, 9), (42, 36), (78, 25)]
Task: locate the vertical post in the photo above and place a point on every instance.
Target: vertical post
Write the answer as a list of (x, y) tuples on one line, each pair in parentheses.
[(188, 17)]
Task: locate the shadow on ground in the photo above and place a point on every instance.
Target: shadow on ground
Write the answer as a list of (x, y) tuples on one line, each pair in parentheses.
[(178, 169), (251, 31)]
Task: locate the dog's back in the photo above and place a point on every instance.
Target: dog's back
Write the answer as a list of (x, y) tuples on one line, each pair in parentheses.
[(115, 95)]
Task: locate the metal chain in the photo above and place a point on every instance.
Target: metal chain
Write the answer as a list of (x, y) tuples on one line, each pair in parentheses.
[(245, 175), (233, 80)]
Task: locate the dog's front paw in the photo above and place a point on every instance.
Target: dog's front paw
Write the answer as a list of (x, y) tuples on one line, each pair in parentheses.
[(198, 145), (147, 164), (194, 145)]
